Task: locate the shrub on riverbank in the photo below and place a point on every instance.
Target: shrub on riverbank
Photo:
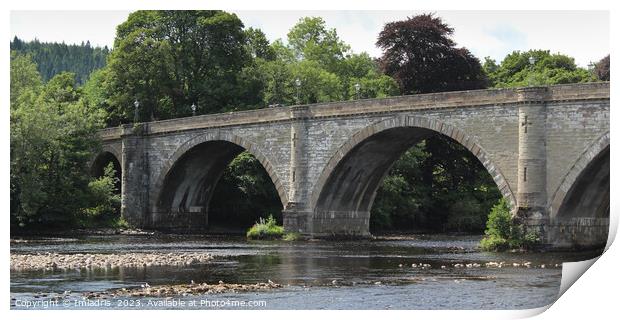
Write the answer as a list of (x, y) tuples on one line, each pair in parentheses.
[(292, 236), (504, 233), (107, 202), (265, 229)]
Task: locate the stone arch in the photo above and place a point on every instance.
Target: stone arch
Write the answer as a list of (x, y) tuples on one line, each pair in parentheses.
[(363, 196), (231, 139), (106, 154), (572, 177)]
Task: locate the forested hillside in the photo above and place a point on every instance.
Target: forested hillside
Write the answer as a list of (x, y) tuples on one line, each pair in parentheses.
[(54, 58)]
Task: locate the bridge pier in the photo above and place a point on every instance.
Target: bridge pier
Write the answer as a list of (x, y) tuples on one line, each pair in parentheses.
[(194, 220), (135, 176), (531, 164), (295, 219), (578, 232), (332, 224)]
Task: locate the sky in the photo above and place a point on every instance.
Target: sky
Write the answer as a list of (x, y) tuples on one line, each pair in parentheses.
[(583, 35)]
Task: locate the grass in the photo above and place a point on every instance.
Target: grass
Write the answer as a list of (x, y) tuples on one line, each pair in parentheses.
[(120, 223), (265, 229), (292, 236)]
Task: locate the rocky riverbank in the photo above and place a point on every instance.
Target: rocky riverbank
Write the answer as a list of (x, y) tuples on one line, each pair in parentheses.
[(55, 261), (146, 290)]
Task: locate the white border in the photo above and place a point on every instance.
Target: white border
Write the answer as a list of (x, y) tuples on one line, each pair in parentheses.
[(591, 297)]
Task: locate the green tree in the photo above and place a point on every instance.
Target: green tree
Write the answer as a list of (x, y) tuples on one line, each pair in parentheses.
[(258, 46), (401, 195), (96, 97), (244, 194), (24, 76), (324, 65), (53, 58), (363, 70), (169, 60), (53, 136), (317, 84), (421, 56), (311, 40), (516, 71), (436, 185), (105, 199)]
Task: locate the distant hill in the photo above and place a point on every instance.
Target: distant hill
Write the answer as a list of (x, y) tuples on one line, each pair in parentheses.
[(53, 58)]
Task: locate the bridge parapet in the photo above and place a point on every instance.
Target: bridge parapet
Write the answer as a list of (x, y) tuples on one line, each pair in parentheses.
[(443, 100), (113, 133)]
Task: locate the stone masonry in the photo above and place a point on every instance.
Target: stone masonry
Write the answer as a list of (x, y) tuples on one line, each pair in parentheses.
[(542, 145)]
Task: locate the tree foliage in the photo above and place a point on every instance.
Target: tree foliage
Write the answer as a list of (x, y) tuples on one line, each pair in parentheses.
[(503, 233), (311, 40), (421, 56), (105, 198), (53, 136), (436, 185), (244, 194), (169, 60), (516, 71), (24, 76), (54, 58), (325, 67)]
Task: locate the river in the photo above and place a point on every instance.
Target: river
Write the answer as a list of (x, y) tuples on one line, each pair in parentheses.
[(368, 274)]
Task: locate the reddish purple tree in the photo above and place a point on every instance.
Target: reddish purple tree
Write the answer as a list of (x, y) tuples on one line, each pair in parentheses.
[(419, 53), (601, 69)]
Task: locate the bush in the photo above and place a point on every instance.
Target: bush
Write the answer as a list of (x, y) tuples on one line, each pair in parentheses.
[(493, 243), (503, 233), (265, 229), (106, 200), (120, 223), (292, 236)]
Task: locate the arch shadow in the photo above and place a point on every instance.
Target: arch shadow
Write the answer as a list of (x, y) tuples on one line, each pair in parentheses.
[(189, 177), (592, 167), (107, 154)]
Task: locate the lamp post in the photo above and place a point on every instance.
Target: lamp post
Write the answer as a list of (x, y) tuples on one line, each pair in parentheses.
[(357, 90), (193, 109), (592, 68), (532, 61), (298, 85), (136, 116)]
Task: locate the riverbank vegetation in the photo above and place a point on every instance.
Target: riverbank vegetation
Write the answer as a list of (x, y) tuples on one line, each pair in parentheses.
[(53, 137), (265, 229), (502, 233), (268, 229), (219, 65)]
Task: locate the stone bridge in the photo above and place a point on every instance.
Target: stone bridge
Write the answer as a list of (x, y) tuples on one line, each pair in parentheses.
[(547, 148)]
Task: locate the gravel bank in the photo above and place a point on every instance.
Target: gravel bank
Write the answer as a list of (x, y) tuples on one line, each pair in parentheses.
[(51, 261), (185, 289)]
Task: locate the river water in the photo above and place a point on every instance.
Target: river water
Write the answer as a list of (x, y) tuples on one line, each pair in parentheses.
[(369, 274)]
